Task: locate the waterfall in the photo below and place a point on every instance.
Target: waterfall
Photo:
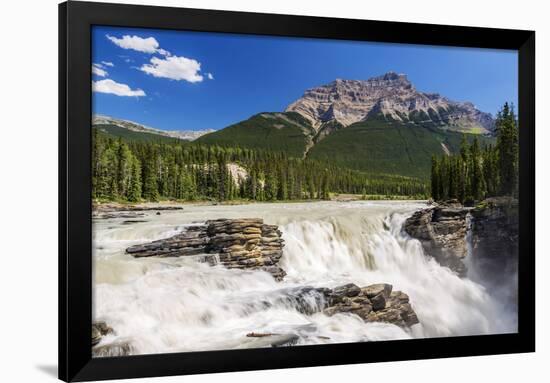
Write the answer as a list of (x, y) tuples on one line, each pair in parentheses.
[(181, 304)]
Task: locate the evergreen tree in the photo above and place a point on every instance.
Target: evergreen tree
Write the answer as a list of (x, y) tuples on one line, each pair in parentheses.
[(435, 172), (150, 185), (508, 147), (270, 187), (134, 192)]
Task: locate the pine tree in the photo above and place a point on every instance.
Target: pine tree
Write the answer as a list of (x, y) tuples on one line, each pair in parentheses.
[(434, 179), (134, 192), (270, 187), (150, 185), (508, 147)]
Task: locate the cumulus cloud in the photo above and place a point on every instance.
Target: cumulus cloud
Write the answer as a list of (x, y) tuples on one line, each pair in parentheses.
[(136, 43), (175, 68), (98, 71), (112, 87), (210, 76), (108, 63)]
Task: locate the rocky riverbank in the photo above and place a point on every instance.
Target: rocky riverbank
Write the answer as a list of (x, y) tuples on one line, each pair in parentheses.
[(443, 230)]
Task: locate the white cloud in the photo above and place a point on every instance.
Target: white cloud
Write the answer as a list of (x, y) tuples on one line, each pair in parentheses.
[(108, 63), (98, 71), (163, 52), (174, 68), (147, 45), (210, 76), (112, 87)]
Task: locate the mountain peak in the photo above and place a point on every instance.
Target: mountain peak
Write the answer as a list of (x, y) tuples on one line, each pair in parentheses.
[(392, 76), (390, 96)]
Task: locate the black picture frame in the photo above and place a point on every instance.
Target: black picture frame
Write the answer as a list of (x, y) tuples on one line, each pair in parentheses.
[(75, 223)]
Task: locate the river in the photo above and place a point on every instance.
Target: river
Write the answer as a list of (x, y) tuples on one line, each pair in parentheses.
[(180, 304)]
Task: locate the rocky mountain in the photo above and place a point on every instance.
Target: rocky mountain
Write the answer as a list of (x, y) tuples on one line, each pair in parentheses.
[(188, 135), (390, 97)]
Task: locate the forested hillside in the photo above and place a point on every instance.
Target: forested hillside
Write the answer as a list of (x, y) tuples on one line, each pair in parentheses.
[(129, 170), (288, 132), (389, 147)]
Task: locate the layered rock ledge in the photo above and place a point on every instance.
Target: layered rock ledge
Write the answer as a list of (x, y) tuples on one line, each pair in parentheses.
[(442, 229), (246, 243)]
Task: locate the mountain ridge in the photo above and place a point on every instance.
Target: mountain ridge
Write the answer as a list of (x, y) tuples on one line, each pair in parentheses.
[(392, 97)]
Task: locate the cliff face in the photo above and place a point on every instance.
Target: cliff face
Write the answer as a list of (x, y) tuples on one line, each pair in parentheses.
[(493, 233), (390, 96)]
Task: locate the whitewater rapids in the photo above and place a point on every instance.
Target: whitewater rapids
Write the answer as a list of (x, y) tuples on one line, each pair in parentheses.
[(179, 304)]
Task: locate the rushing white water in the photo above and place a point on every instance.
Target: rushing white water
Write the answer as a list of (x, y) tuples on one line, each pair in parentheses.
[(180, 304)]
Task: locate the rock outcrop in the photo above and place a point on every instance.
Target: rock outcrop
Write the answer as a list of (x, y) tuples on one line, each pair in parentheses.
[(390, 96), (442, 229), (246, 243)]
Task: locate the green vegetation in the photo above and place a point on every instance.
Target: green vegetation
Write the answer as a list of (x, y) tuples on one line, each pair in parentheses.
[(476, 173), (127, 170), (387, 147), (286, 132)]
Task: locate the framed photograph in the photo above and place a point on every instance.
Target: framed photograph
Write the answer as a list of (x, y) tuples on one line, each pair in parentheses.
[(242, 191)]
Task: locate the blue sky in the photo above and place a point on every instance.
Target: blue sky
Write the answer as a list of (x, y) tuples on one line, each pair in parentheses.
[(176, 80)]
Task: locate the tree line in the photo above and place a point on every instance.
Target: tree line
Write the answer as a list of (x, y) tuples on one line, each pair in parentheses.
[(150, 171), (477, 173)]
